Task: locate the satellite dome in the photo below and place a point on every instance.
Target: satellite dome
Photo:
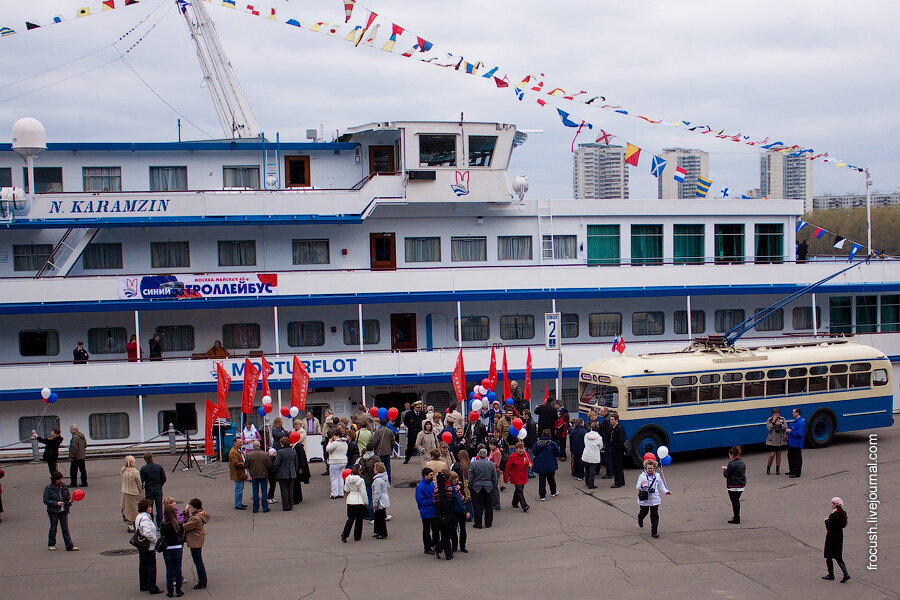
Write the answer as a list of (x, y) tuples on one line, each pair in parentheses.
[(28, 136)]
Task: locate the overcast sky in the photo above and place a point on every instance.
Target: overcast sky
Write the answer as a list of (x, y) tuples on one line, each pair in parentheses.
[(819, 74)]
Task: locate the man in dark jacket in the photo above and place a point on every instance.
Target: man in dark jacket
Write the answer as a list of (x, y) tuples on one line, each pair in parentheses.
[(285, 472), (475, 434), (58, 500), (795, 445), (546, 451), (483, 478), (367, 464), (576, 447), (518, 398), (546, 416), (413, 421), (77, 453), (383, 445), (155, 347), (51, 447), (153, 477), (617, 449), (605, 432), (257, 463), (79, 354)]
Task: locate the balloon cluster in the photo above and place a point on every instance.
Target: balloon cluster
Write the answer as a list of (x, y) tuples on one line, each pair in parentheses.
[(665, 459), (517, 428), (50, 397), (481, 395), (384, 414), (267, 407)]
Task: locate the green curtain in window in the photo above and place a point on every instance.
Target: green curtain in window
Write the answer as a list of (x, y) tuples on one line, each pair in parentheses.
[(646, 244), (603, 244), (688, 244)]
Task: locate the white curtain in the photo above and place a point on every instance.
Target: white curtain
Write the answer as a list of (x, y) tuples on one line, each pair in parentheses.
[(168, 179), (237, 253), (102, 256), (306, 333), (310, 252), (565, 246), (514, 247), (423, 249), (468, 249), (170, 254)]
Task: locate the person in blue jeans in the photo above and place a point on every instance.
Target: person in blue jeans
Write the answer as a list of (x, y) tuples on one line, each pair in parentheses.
[(172, 531), (546, 451), (425, 501), (238, 474), (258, 468), (795, 445)]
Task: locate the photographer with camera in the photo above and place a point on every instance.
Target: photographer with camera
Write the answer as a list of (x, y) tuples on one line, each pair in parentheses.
[(650, 485)]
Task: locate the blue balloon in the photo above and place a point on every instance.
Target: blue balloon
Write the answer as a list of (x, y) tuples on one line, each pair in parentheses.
[(53, 397), (666, 460), (261, 411), (510, 401), (513, 431), (471, 395), (491, 396), (382, 413)]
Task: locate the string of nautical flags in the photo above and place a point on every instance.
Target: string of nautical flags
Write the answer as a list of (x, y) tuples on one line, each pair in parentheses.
[(839, 241), (89, 9)]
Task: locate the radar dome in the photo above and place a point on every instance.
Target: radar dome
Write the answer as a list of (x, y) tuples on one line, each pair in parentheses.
[(28, 136)]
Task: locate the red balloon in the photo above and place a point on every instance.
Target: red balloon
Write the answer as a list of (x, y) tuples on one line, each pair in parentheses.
[(476, 396), (517, 423), (268, 408), (447, 437), (374, 412), (285, 411), (486, 382), (473, 416), (393, 413), (294, 437), (345, 473), (649, 456), (78, 495)]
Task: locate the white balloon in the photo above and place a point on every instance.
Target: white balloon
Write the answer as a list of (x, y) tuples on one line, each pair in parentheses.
[(45, 393), (522, 434), (482, 390), (476, 404), (662, 452), (295, 411), (267, 399)]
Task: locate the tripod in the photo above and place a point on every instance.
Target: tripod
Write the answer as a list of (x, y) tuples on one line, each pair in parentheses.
[(187, 456)]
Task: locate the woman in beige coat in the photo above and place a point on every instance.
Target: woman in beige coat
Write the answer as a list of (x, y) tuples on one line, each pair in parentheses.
[(132, 492), (426, 441)]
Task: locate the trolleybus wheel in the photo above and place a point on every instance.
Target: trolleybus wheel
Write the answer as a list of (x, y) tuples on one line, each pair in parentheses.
[(820, 430), (646, 440)]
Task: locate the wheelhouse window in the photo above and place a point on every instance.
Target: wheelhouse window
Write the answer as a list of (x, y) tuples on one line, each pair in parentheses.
[(646, 244), (866, 314), (688, 244), (603, 244), (176, 338), (468, 249), (481, 150), (237, 253), (170, 255), (39, 342), (890, 312), (306, 333), (371, 332), (729, 244), (604, 324), (772, 322), (802, 317), (514, 247), (241, 335), (241, 177), (47, 180), (437, 150), (840, 311), (30, 257), (474, 329), (726, 318), (568, 326), (769, 243), (517, 327), (422, 249), (102, 256), (648, 323), (102, 179), (310, 252), (602, 395), (698, 322), (107, 340), (108, 426), (168, 179)]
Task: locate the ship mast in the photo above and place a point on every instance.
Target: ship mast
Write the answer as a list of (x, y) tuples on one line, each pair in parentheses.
[(234, 112)]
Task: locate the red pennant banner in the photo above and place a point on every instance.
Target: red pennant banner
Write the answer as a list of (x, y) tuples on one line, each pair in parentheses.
[(526, 394), (507, 390), (212, 413), (459, 380), (266, 371), (224, 381), (251, 379), (299, 385), (492, 371)]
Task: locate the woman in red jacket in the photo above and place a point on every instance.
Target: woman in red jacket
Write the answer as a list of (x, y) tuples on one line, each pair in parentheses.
[(517, 466)]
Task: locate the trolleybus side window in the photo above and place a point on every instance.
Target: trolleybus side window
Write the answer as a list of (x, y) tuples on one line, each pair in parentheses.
[(818, 381), (603, 395), (776, 384), (732, 389), (683, 390), (860, 375), (709, 393), (648, 396), (754, 386), (880, 377), (838, 378), (797, 383)]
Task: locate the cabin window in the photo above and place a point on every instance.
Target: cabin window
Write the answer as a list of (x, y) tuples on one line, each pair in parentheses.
[(819, 370), (646, 244), (102, 256), (840, 314), (474, 329), (729, 244), (39, 342), (107, 340), (108, 426), (568, 326), (5, 177), (310, 252), (102, 179), (698, 322), (600, 395), (648, 323), (422, 249), (481, 150), (514, 247), (371, 332), (306, 333), (604, 324), (47, 180), (296, 172), (603, 244), (769, 243), (857, 367), (30, 257), (880, 377), (176, 338), (803, 317), (776, 374), (241, 335), (437, 150), (890, 312), (688, 244), (866, 314), (237, 253), (170, 255), (42, 425), (726, 318), (517, 327), (468, 249), (168, 179), (241, 177), (648, 396), (774, 321), (560, 246)]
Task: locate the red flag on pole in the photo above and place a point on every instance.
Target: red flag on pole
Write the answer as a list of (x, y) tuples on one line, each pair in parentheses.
[(459, 380), (507, 390), (526, 394), (266, 371), (224, 380), (299, 384), (546, 392), (251, 379), (492, 371), (212, 413)]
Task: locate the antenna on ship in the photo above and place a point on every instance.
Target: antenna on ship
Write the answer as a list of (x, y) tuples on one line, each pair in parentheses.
[(231, 104)]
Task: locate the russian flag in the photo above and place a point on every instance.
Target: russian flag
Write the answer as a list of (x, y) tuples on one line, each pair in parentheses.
[(615, 344), (680, 172)]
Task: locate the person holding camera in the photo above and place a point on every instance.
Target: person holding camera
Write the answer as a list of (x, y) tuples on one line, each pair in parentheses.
[(735, 480), (775, 440), (650, 486)]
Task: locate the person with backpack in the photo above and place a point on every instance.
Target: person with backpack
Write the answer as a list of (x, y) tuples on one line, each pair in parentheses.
[(449, 505), (650, 486)]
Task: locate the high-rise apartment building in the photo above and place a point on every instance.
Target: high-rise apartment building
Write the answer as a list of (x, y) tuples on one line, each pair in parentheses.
[(694, 162), (599, 171), (784, 176)]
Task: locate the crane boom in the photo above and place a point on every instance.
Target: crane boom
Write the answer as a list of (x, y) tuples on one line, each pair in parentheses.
[(234, 111)]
